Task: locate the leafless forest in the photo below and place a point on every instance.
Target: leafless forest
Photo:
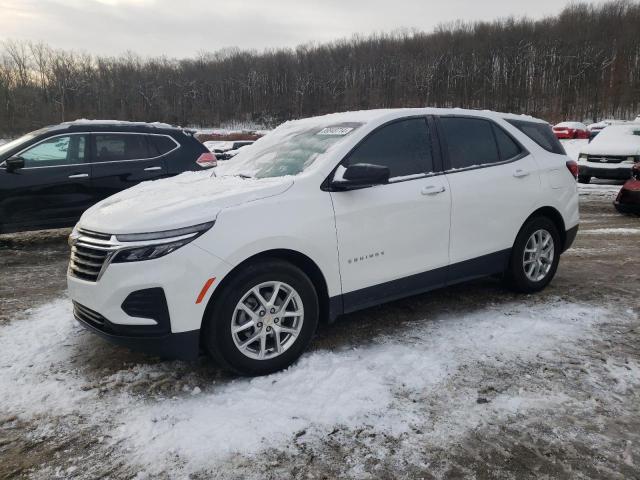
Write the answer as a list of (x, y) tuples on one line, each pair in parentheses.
[(582, 64)]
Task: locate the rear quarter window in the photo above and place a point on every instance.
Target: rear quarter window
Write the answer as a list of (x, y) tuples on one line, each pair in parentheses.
[(161, 144), (540, 133)]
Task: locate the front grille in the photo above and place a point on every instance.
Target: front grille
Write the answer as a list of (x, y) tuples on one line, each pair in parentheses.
[(89, 254), (87, 315), (606, 158)]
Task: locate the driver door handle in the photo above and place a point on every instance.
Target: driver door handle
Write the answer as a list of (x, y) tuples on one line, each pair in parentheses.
[(432, 189), (152, 169), (79, 175)]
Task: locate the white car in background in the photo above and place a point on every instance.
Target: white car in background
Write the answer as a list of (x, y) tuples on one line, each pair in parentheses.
[(322, 217), (611, 155)]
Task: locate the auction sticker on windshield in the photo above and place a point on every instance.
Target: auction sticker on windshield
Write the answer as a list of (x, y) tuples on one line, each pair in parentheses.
[(335, 130)]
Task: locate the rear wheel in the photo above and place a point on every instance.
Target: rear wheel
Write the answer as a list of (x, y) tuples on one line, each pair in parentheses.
[(534, 257), (584, 178), (263, 320)]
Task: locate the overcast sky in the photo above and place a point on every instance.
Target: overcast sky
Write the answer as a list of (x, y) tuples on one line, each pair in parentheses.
[(182, 28)]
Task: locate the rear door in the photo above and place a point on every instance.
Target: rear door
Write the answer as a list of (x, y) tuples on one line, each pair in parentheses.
[(122, 160), (495, 185), (53, 188)]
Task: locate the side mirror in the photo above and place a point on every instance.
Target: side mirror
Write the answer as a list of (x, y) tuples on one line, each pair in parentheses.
[(14, 163), (360, 175)]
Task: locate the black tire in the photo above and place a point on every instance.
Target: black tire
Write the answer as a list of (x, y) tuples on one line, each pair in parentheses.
[(584, 179), (515, 276), (216, 332)]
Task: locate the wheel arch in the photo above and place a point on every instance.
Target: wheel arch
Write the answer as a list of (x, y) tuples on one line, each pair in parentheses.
[(329, 309), (555, 216)]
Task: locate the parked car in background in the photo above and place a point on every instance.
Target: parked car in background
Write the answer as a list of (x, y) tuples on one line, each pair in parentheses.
[(322, 216), (595, 128), (50, 176), (610, 155), (224, 150), (628, 199), (567, 130)]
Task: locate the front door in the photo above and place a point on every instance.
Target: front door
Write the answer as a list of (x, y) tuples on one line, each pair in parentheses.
[(393, 239), (53, 188)]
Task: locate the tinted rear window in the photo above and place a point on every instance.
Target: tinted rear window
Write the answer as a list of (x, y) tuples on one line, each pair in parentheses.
[(470, 142), (540, 133), (121, 146)]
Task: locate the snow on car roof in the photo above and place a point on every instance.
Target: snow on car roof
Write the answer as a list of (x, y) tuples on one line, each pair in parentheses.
[(366, 116), (124, 123)]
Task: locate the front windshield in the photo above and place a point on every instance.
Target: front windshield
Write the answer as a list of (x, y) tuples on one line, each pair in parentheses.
[(288, 150), (6, 147)]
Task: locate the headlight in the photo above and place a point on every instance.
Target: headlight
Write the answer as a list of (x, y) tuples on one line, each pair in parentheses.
[(147, 246)]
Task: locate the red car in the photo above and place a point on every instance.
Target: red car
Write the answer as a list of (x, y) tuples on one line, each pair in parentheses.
[(571, 130), (628, 200)]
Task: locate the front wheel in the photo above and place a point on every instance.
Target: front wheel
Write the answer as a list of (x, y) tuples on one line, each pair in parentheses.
[(263, 319), (534, 257)]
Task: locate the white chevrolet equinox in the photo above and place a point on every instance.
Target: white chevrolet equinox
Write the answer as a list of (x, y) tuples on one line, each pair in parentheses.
[(322, 217)]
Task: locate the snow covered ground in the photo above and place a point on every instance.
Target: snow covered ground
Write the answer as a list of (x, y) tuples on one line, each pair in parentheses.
[(203, 424)]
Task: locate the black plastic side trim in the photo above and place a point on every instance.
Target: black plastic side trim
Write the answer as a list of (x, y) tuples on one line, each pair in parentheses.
[(423, 282), (483, 266), (570, 237)]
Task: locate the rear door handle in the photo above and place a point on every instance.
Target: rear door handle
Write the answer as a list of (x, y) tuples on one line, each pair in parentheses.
[(152, 169), (520, 173), (79, 175), (432, 189)]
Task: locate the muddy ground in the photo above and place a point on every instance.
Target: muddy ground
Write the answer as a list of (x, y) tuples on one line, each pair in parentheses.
[(493, 409)]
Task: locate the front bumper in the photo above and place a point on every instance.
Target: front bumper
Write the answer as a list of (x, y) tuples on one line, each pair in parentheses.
[(610, 172), (627, 208), (180, 346), (180, 276)]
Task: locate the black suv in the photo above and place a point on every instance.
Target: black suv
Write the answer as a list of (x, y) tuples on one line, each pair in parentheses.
[(50, 176)]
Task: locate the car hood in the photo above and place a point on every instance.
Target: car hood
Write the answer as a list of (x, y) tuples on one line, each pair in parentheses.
[(185, 200)]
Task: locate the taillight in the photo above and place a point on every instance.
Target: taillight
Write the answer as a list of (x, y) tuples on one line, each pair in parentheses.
[(207, 160), (572, 165)]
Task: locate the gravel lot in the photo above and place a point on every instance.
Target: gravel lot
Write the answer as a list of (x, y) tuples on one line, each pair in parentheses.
[(467, 382)]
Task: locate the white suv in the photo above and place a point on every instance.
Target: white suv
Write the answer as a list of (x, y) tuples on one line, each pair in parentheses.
[(322, 217)]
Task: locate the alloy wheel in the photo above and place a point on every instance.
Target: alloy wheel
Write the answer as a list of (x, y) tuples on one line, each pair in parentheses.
[(538, 255), (267, 320)]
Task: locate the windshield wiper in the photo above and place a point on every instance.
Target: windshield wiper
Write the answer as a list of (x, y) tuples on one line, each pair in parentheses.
[(244, 175)]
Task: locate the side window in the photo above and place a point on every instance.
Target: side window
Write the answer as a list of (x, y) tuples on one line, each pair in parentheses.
[(470, 142), (540, 133), (112, 146), (404, 147), (160, 144), (508, 148), (62, 150)]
